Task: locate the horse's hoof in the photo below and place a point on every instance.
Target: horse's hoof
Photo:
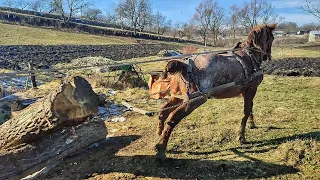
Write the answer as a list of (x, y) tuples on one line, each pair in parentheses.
[(243, 141), (252, 126), (160, 152)]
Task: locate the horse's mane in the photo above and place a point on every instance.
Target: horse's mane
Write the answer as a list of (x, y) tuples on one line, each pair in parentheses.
[(174, 66), (252, 35)]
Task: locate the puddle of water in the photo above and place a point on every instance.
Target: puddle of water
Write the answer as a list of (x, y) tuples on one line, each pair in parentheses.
[(112, 113)]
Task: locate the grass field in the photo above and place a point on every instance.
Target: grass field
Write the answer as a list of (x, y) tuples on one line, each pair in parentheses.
[(25, 35), (285, 144)]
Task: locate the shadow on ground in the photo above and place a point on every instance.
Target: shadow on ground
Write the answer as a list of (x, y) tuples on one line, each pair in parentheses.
[(103, 160)]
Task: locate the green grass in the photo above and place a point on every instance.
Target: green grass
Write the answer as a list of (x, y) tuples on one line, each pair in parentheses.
[(288, 52), (25, 35)]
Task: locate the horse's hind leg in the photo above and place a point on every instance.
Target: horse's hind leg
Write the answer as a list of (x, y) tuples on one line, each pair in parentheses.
[(164, 114), (248, 104), (174, 118)]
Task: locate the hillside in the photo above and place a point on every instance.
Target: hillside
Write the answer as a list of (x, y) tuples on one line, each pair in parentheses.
[(24, 35)]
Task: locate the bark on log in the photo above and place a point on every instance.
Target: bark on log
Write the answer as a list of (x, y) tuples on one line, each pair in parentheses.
[(70, 104), (50, 151)]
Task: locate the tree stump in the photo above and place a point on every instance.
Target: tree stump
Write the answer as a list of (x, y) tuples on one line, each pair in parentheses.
[(46, 129)]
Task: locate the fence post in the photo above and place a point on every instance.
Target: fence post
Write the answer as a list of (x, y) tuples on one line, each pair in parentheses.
[(32, 76)]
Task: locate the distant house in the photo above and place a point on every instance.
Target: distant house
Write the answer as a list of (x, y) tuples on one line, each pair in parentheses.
[(314, 36), (301, 32), (279, 33)]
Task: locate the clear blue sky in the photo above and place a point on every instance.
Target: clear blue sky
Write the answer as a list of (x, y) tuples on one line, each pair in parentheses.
[(183, 10)]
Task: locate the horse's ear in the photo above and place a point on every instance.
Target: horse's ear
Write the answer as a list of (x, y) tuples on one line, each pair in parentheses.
[(174, 66), (272, 26)]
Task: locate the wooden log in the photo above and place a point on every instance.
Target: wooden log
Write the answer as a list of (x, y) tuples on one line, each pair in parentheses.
[(70, 104), (50, 151)]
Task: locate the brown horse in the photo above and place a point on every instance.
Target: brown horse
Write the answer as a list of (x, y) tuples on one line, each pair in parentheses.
[(212, 76)]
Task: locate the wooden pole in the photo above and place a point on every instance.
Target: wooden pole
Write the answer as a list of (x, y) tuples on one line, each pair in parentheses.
[(32, 76)]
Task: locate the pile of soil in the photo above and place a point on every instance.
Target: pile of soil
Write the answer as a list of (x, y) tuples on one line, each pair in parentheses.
[(293, 67)]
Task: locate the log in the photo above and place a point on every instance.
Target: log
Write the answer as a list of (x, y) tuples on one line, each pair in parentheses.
[(54, 127), (50, 151), (71, 104)]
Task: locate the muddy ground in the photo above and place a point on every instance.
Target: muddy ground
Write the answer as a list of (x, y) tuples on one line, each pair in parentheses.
[(293, 67)]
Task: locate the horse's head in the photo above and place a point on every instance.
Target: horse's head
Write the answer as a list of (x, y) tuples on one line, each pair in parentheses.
[(159, 85), (261, 37)]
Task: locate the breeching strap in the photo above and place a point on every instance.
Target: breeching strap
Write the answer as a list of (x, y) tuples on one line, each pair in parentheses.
[(207, 92)]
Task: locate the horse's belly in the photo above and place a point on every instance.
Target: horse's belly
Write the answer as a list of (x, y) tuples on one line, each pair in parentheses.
[(227, 93)]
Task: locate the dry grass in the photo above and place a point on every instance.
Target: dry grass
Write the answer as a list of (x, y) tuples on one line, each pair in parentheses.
[(25, 35), (285, 144), (287, 52)]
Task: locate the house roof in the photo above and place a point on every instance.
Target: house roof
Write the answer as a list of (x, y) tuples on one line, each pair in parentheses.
[(315, 32), (278, 32)]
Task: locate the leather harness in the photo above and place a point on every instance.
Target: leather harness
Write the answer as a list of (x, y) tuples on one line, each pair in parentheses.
[(207, 92)]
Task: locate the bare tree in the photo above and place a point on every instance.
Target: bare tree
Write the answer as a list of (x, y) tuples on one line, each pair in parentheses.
[(8, 3), (255, 12), (176, 30), (216, 21), (158, 21), (188, 29), (313, 8), (144, 14), (68, 8), (22, 4), (137, 12), (288, 27), (203, 18), (39, 5), (233, 22), (93, 14)]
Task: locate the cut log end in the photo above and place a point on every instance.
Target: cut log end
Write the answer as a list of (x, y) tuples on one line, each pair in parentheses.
[(70, 104), (75, 102)]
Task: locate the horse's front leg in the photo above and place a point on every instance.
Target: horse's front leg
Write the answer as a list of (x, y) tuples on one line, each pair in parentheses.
[(248, 104), (173, 119), (251, 121), (165, 113)]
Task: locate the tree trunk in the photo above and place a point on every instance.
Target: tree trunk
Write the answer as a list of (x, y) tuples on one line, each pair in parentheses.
[(47, 152), (42, 132), (70, 104)]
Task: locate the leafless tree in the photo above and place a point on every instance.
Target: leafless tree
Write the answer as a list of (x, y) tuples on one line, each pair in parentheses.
[(68, 8), (188, 29), (217, 18), (22, 4), (203, 17), (144, 14), (233, 22), (255, 12), (312, 7), (176, 29), (288, 27), (93, 14), (8, 3), (158, 21), (137, 12), (39, 5)]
